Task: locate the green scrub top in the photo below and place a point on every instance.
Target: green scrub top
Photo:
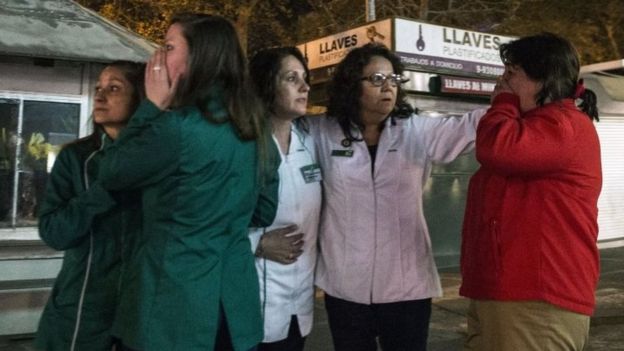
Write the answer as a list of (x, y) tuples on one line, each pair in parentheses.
[(200, 191)]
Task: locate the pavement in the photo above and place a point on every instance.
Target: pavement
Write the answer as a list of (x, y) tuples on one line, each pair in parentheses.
[(448, 321)]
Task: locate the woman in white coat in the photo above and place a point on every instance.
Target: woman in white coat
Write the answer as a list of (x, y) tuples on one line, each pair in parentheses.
[(286, 250), (376, 264)]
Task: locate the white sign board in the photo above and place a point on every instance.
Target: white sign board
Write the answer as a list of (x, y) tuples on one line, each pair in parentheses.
[(433, 47), (330, 50)]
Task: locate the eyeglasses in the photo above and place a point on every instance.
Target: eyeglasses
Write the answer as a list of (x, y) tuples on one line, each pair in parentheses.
[(379, 79)]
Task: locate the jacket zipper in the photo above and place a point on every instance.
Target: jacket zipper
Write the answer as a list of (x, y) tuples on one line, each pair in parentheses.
[(89, 257)]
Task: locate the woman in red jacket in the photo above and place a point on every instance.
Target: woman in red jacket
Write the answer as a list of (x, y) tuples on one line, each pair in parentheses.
[(529, 257)]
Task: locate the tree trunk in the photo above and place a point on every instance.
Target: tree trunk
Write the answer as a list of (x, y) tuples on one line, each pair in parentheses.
[(423, 10), (612, 42), (242, 24)]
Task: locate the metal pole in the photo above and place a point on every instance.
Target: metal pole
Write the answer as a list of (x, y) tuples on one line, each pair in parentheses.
[(370, 10), (17, 164)]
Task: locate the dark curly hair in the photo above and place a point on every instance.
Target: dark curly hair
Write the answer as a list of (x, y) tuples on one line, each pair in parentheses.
[(552, 61), (264, 68), (345, 89)]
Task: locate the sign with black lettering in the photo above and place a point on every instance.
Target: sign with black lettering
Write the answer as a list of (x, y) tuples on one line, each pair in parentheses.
[(420, 46), (435, 48), (464, 85), (330, 50)]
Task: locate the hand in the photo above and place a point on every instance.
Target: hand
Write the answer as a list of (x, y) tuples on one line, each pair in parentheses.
[(501, 87), (159, 87), (281, 245)]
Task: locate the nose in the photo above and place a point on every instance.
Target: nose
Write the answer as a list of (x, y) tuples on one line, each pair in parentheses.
[(304, 87), (100, 95), (387, 84)]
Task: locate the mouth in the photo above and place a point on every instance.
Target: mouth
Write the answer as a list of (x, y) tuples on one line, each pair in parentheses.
[(99, 112)]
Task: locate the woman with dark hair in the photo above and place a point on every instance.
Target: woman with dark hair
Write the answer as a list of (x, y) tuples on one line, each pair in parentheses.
[(376, 265), (92, 225), (529, 258), (196, 149), (286, 250)]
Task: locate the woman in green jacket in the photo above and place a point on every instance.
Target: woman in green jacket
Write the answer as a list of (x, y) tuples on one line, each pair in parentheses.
[(91, 224), (192, 149)]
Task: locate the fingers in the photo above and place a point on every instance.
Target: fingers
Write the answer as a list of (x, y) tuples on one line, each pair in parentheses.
[(149, 68), (154, 65), (294, 238), (295, 251), (283, 245), (285, 233), (157, 86), (292, 257), (283, 249), (296, 254), (499, 84), (500, 87), (161, 58), (159, 69), (293, 242), (285, 230)]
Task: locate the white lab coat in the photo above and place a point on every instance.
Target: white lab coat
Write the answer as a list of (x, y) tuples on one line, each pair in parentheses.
[(374, 241), (287, 290)]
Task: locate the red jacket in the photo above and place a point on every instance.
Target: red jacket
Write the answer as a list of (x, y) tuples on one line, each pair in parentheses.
[(530, 226)]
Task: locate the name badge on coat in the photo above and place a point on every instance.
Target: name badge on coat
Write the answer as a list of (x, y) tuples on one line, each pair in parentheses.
[(311, 173), (342, 153)]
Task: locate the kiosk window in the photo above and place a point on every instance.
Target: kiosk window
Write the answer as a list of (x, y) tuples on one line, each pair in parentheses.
[(31, 134)]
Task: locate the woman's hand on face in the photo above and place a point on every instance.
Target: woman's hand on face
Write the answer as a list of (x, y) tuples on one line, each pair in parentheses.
[(159, 88), (282, 245), (501, 87)]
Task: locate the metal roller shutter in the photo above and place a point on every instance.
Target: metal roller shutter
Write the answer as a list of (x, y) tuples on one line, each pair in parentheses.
[(611, 201)]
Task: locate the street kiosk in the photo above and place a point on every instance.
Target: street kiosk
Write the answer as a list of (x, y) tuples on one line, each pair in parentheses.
[(51, 53)]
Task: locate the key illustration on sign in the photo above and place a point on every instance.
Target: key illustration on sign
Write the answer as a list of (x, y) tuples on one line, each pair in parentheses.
[(420, 43), (371, 33)]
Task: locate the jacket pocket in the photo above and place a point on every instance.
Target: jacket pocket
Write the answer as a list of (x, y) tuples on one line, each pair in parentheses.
[(481, 255), (495, 246)]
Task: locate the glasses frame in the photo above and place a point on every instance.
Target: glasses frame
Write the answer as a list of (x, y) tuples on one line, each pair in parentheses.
[(379, 79)]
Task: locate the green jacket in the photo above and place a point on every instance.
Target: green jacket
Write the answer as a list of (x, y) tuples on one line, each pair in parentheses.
[(80, 217), (199, 186)]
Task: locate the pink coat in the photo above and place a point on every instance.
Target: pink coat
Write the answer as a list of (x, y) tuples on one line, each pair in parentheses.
[(374, 242)]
